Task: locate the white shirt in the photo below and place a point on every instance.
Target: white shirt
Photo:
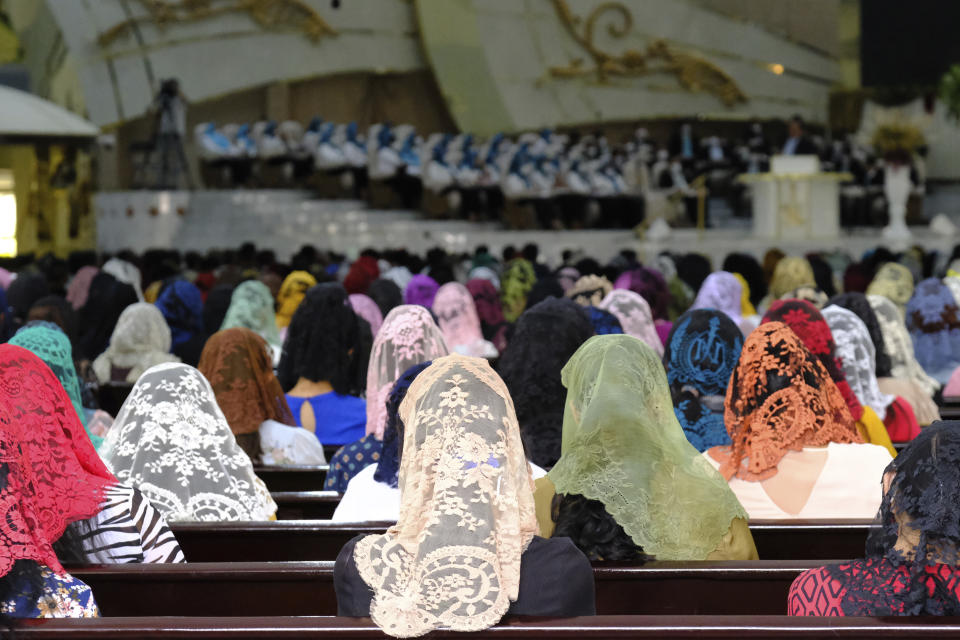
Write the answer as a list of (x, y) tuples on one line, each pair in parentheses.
[(283, 444), (849, 486), (367, 500)]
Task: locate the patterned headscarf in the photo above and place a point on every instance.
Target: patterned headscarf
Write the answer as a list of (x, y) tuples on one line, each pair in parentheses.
[(779, 399), (457, 316), (239, 366), (388, 467), (649, 284), (903, 361), (634, 315), (421, 290), (171, 441), (859, 305), (702, 350), (54, 475), (367, 309), (79, 286), (408, 336), (292, 291), (604, 323), (517, 281), (591, 290), (723, 292), (808, 323), (140, 340), (893, 281), (467, 510), (856, 354), (492, 323), (51, 345), (623, 446), (791, 273), (934, 324), (251, 307), (182, 307)]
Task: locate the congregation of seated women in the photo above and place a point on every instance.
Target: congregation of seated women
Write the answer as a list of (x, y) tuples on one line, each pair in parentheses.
[(481, 437)]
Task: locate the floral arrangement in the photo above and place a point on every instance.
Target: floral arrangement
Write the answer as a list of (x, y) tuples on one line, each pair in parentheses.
[(897, 137), (950, 91)]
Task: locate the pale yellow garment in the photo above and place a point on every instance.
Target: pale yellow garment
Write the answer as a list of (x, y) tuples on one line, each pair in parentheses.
[(746, 307), (737, 543), (791, 273), (152, 292), (873, 430)]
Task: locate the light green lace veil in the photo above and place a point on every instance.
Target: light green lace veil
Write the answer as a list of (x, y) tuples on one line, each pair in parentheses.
[(252, 307), (51, 345), (622, 445)]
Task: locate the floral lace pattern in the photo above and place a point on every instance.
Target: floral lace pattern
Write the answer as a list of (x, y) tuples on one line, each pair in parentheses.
[(856, 355), (251, 307), (859, 305), (467, 510), (634, 315), (457, 315), (808, 323), (52, 346), (408, 336), (171, 441), (702, 351), (53, 475), (623, 446), (780, 398), (903, 361), (238, 364)]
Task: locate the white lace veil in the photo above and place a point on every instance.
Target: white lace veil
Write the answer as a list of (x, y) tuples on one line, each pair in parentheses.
[(171, 441), (903, 361), (858, 357), (466, 514)]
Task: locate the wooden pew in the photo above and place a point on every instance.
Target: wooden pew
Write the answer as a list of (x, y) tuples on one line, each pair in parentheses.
[(756, 627), (293, 478), (305, 505), (298, 540), (306, 588)]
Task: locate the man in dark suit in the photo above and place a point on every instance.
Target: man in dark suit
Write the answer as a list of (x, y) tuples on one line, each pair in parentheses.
[(797, 144)]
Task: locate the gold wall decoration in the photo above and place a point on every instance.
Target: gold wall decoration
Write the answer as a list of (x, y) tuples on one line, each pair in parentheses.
[(692, 72), (269, 14)]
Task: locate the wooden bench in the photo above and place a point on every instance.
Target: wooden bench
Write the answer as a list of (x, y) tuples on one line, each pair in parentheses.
[(596, 628), (297, 540), (305, 505), (306, 588), (293, 478)]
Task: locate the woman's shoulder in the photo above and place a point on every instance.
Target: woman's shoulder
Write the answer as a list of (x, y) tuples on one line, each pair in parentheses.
[(815, 593), (861, 452), (559, 551)]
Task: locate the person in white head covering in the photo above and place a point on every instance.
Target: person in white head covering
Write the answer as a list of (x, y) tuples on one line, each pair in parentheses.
[(140, 340), (171, 441)]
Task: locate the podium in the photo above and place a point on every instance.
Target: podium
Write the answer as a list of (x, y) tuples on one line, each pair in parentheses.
[(795, 199)]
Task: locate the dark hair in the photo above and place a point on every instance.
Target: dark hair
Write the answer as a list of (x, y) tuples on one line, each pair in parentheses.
[(594, 531), (322, 341)]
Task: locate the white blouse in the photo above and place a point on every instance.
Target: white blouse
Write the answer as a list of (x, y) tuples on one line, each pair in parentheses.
[(283, 444), (367, 500), (849, 486)]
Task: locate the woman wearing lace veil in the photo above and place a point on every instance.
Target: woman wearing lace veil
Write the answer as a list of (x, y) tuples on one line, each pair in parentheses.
[(912, 564), (171, 441), (252, 307), (408, 336), (895, 283), (457, 316), (702, 351), (795, 450), (464, 551), (903, 361), (110, 522), (629, 485), (634, 315), (856, 355), (237, 363), (140, 340), (933, 320)]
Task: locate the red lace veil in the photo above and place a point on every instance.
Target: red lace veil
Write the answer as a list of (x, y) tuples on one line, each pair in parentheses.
[(779, 399), (54, 475)]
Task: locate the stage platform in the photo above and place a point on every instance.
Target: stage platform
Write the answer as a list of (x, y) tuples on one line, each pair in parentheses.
[(285, 220)]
